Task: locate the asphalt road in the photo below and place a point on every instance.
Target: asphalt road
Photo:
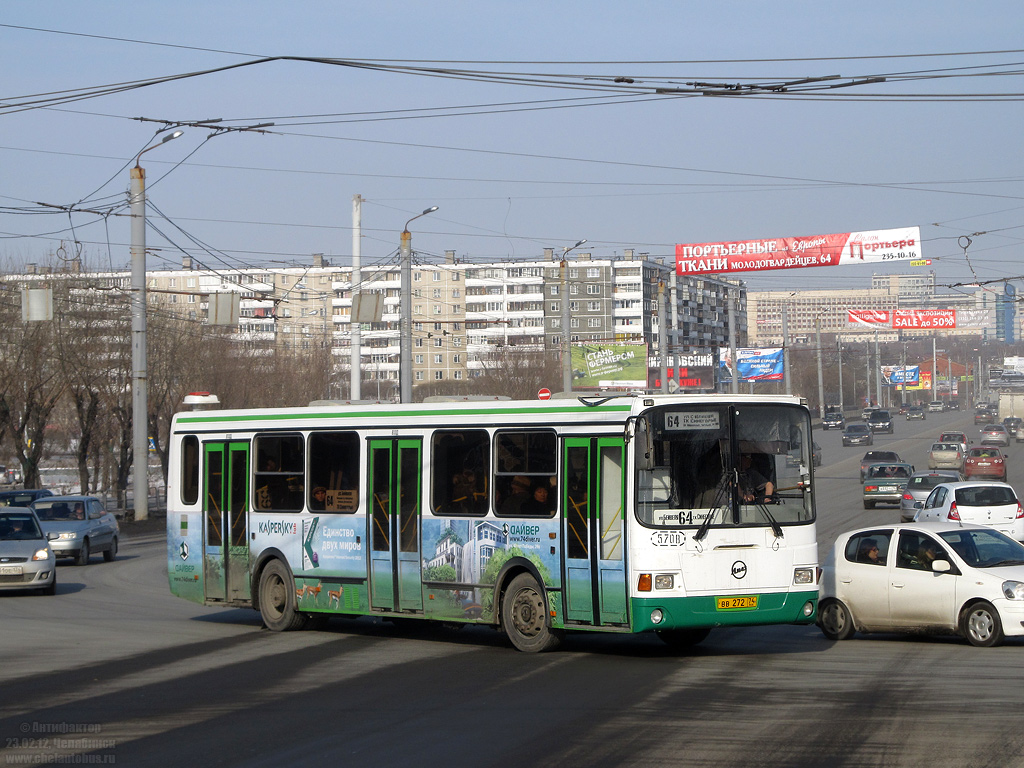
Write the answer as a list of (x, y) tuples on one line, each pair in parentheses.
[(133, 676)]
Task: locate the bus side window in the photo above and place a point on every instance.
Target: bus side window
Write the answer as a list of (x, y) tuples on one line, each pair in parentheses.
[(334, 469), (279, 471), (461, 468)]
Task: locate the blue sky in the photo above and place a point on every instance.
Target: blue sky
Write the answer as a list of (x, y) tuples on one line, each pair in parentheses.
[(643, 174)]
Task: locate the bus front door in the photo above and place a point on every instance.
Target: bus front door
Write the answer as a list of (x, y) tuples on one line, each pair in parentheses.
[(593, 529), (395, 496), (225, 512)]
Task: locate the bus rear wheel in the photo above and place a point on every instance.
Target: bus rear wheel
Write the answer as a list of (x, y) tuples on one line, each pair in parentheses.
[(524, 616), (277, 599)]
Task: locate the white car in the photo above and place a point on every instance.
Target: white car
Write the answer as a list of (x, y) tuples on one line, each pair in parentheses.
[(975, 501), (941, 578)]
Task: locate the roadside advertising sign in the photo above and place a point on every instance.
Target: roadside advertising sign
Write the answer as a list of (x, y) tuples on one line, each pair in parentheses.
[(755, 364), (609, 366)]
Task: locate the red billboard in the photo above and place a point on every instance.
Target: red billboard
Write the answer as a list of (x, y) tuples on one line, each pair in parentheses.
[(796, 252), (920, 319)]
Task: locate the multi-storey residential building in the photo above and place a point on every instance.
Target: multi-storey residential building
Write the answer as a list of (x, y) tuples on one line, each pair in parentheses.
[(461, 312)]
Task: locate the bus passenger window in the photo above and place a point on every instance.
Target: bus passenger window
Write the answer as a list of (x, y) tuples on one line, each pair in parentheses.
[(334, 468), (461, 468), (278, 476), (190, 469), (525, 479)]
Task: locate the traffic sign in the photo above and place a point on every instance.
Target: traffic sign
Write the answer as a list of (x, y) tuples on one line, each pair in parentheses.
[(544, 394)]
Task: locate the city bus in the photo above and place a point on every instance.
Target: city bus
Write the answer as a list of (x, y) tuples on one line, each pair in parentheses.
[(672, 514)]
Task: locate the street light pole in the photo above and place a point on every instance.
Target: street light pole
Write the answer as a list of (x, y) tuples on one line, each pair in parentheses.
[(566, 344), (140, 394), (405, 318)]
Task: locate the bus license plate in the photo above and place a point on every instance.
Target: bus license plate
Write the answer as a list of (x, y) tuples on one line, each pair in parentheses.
[(745, 602), (10, 570)]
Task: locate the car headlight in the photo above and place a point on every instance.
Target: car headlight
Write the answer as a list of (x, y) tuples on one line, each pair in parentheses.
[(1013, 590), (71, 535), (41, 554)]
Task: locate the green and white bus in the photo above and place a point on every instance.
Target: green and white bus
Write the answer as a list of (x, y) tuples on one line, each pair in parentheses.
[(672, 514)]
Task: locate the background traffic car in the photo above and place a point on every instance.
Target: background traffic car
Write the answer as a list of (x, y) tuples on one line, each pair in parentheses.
[(858, 434), (866, 413), (1013, 425), (936, 406), (956, 437), (924, 577), (915, 412), (880, 421), (22, 498), (833, 420), (995, 434), (884, 483), (946, 456), (919, 486), (982, 416), (981, 503), (985, 462), (877, 457), (26, 560), (81, 526)]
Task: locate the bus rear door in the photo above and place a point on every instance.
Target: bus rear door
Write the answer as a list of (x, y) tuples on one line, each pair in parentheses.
[(395, 496), (594, 532), (225, 509)]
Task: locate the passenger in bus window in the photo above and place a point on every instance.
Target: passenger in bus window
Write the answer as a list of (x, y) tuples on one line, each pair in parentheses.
[(754, 486), (542, 502), (519, 494), (319, 500)]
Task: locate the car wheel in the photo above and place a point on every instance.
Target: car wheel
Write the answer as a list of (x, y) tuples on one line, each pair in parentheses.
[(869, 505), (277, 599), (680, 639), (524, 616), (111, 553), (834, 620), (981, 625), (82, 558)]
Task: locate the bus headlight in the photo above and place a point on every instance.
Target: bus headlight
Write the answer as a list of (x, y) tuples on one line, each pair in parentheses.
[(664, 581), (803, 575), (657, 616)]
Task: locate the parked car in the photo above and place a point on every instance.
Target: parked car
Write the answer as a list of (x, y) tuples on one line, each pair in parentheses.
[(985, 462), (915, 412), (858, 434), (884, 483), (877, 457), (26, 560), (982, 416), (936, 406), (980, 503), (22, 498), (833, 420), (1013, 425), (880, 421), (946, 456), (995, 434), (944, 578), (920, 485), (78, 526)]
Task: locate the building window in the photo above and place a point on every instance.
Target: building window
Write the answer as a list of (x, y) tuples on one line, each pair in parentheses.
[(438, 359), (593, 290), (416, 276), (593, 306), (419, 376), (419, 359), (438, 375), (437, 277)]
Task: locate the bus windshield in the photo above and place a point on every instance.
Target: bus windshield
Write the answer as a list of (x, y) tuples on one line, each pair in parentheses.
[(739, 464)]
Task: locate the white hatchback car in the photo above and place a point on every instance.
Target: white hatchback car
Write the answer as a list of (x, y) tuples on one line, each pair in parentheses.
[(941, 578), (979, 502)]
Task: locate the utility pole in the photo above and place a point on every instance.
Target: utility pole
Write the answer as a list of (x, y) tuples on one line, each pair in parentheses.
[(566, 344), (735, 377), (821, 382), (839, 365), (356, 366), (663, 335), (405, 320), (785, 350)]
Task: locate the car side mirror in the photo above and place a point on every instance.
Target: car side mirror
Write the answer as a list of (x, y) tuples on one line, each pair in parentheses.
[(941, 566)]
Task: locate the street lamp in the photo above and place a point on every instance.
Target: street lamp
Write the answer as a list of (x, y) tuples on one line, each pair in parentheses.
[(566, 348), (405, 312), (140, 395)]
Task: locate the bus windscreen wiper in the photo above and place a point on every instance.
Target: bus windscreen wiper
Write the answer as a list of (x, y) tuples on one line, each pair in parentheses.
[(776, 528), (716, 505)]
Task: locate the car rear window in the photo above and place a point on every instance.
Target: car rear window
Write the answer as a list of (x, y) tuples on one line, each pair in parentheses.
[(985, 496), (928, 482)]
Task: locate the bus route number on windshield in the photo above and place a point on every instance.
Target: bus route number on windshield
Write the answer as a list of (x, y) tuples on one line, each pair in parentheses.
[(678, 420)]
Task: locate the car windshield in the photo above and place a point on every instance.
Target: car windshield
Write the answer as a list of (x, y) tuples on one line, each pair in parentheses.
[(60, 510), (984, 548), (15, 526), (857, 428), (985, 496), (926, 482)]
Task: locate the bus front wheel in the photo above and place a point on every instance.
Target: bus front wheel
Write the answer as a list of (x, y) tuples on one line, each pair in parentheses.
[(524, 616), (277, 599)]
